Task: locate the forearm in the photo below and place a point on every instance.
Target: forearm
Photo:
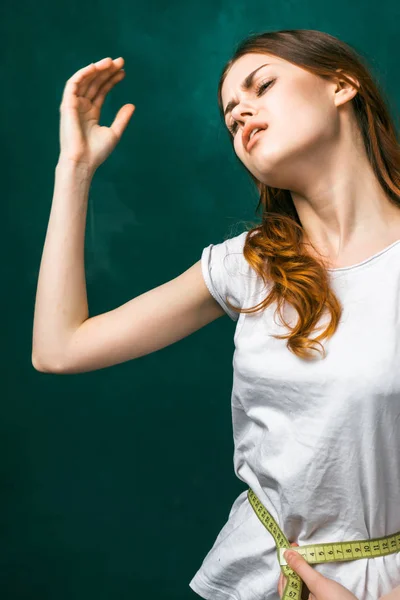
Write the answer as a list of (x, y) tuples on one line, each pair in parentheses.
[(61, 299)]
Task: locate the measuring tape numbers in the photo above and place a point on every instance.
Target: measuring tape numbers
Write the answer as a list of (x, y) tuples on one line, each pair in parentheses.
[(319, 553)]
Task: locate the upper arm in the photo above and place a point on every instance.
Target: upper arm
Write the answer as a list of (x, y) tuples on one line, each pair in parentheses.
[(149, 322)]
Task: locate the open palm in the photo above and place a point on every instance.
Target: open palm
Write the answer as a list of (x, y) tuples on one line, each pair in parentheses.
[(82, 139)]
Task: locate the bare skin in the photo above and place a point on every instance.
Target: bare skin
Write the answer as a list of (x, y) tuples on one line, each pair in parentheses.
[(320, 587), (82, 140), (312, 147)]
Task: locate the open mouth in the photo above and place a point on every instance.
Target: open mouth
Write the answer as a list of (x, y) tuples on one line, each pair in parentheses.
[(254, 138)]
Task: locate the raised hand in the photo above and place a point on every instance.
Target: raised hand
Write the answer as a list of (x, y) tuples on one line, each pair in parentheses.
[(82, 139)]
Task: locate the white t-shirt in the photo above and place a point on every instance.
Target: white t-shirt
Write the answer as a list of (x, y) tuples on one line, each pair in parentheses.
[(318, 442)]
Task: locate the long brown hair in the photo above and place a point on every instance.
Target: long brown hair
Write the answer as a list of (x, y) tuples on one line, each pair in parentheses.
[(275, 249)]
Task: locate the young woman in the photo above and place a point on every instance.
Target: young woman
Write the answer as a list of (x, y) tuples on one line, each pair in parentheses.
[(316, 437)]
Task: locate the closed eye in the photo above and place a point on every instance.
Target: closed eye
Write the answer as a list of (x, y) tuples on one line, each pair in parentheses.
[(259, 91)]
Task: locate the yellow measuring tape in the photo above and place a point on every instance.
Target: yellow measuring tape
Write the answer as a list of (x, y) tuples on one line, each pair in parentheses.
[(319, 553)]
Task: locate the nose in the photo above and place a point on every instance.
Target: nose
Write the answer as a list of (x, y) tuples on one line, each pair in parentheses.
[(242, 111)]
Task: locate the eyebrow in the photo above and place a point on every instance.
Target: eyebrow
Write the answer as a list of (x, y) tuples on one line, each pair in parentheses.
[(246, 85)]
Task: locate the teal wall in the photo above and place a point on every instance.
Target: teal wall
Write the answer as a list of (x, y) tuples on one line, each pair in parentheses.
[(115, 483)]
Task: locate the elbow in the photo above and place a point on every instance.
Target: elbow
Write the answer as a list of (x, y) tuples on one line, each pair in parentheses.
[(46, 367)]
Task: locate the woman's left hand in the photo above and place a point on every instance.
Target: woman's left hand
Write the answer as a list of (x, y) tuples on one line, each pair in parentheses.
[(320, 587), (283, 580)]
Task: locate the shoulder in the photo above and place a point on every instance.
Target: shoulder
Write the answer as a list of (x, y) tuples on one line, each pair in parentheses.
[(224, 270), (227, 254)]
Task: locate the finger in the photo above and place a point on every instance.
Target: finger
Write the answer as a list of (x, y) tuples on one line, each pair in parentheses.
[(305, 594), (282, 584), (282, 579), (72, 85), (104, 69), (106, 87), (122, 119), (95, 70), (84, 82), (300, 566)]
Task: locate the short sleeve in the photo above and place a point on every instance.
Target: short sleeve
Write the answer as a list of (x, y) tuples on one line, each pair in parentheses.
[(224, 268)]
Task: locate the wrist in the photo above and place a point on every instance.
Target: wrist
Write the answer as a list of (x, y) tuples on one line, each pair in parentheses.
[(81, 167)]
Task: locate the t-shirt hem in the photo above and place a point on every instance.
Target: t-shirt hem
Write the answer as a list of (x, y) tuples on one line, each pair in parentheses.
[(203, 588)]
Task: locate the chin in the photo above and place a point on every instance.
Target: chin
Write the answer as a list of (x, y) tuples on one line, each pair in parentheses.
[(269, 167)]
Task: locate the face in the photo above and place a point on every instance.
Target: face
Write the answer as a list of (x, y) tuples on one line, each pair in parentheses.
[(299, 109)]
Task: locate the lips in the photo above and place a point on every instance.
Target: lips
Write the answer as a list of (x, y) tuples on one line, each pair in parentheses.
[(253, 139)]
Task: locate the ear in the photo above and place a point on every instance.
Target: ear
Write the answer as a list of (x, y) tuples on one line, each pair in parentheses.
[(347, 86)]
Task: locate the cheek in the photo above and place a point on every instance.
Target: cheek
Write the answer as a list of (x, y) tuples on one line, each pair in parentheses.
[(238, 145), (298, 124), (299, 111)]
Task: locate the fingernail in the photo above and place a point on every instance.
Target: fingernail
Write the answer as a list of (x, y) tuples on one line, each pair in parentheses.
[(288, 555), (99, 62)]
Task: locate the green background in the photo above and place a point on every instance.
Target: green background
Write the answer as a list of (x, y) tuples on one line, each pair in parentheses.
[(115, 483)]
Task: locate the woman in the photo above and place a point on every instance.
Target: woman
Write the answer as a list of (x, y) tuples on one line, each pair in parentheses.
[(316, 439)]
